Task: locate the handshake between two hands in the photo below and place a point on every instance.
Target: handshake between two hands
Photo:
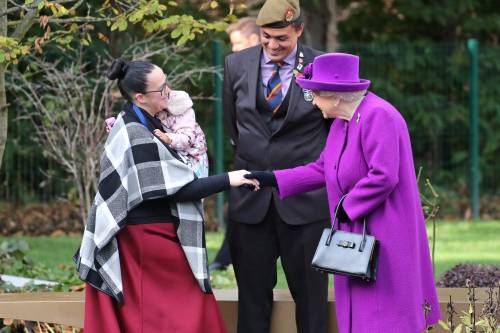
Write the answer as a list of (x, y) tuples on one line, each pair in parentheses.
[(252, 180)]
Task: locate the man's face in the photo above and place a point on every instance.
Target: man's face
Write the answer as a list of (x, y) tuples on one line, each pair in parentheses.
[(240, 41), (278, 43)]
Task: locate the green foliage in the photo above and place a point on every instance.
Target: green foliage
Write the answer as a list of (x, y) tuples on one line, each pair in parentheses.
[(14, 261), (223, 279), (11, 50), (61, 24), (430, 204), (438, 21)]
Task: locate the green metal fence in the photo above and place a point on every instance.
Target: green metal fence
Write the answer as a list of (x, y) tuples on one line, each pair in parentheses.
[(26, 175)]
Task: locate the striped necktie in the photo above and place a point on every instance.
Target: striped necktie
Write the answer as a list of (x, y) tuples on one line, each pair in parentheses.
[(274, 95)]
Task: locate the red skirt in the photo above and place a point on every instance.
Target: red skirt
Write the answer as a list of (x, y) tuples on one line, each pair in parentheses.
[(160, 292)]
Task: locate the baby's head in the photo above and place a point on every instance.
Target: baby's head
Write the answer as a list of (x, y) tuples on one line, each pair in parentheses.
[(179, 102)]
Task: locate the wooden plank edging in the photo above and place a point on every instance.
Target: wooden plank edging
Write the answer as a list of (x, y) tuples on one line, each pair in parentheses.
[(67, 308)]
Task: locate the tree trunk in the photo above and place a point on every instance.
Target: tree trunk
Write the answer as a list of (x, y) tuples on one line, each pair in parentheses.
[(315, 21), (332, 31), (4, 114), (18, 34), (320, 18)]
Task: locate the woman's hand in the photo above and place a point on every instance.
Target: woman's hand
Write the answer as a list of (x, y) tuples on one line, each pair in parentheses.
[(237, 178), (163, 136)]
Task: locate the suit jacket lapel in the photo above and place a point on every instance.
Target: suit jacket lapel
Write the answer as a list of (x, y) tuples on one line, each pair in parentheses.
[(253, 70), (253, 74)]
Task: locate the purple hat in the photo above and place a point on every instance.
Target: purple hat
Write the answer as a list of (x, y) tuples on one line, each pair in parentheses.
[(333, 72)]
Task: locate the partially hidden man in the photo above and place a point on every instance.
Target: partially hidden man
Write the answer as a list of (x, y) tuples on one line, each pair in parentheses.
[(272, 124)]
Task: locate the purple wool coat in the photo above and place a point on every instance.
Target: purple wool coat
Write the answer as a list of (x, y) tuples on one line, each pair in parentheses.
[(370, 159)]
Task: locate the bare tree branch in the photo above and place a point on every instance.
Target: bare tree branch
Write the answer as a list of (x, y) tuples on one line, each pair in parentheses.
[(76, 5), (68, 104), (92, 19), (26, 22), (17, 7), (81, 19)]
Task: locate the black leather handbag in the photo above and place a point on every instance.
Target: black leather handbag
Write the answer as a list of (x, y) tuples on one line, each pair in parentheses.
[(347, 253)]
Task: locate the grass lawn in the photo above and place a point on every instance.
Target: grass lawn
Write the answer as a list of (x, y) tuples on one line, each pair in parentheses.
[(456, 242)]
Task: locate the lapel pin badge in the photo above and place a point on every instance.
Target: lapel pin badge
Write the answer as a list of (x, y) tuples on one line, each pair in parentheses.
[(358, 117), (308, 96)]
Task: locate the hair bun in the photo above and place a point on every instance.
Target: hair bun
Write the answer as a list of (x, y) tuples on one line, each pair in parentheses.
[(117, 70)]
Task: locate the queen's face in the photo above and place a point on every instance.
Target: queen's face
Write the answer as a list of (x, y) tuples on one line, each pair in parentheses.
[(155, 98), (326, 103)]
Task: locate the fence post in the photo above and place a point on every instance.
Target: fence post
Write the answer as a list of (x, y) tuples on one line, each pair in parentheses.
[(218, 127), (472, 45)]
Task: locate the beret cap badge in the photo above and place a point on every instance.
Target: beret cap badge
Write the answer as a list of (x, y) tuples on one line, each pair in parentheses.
[(289, 14)]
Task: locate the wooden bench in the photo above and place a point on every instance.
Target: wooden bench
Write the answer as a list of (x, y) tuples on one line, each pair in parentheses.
[(67, 308)]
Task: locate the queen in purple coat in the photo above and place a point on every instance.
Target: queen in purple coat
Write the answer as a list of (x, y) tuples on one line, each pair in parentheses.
[(368, 158)]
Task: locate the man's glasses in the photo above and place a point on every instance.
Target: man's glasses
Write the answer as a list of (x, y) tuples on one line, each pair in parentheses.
[(163, 90)]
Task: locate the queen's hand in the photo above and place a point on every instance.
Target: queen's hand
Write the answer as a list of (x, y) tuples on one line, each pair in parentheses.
[(237, 178)]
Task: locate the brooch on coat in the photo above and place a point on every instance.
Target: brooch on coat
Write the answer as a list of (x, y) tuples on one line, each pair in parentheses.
[(304, 71)]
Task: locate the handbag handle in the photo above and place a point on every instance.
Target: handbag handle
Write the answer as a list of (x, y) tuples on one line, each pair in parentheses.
[(335, 219)]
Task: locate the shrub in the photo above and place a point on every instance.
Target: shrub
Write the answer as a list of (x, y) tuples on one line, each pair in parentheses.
[(40, 219), (480, 275)]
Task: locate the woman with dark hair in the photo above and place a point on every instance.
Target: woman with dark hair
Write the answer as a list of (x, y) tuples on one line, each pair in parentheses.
[(367, 169), (143, 252)]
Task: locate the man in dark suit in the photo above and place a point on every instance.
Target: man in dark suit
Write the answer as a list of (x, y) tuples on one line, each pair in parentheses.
[(273, 125)]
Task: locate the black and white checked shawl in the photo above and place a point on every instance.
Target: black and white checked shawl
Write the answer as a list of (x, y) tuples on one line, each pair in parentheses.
[(136, 166)]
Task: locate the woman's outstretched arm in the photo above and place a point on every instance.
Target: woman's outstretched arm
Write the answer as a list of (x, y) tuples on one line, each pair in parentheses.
[(203, 187)]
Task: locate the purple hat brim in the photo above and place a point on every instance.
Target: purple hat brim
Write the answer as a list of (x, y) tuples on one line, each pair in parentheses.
[(333, 86)]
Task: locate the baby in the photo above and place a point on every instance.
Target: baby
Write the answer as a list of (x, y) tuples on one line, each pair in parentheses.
[(183, 132)]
